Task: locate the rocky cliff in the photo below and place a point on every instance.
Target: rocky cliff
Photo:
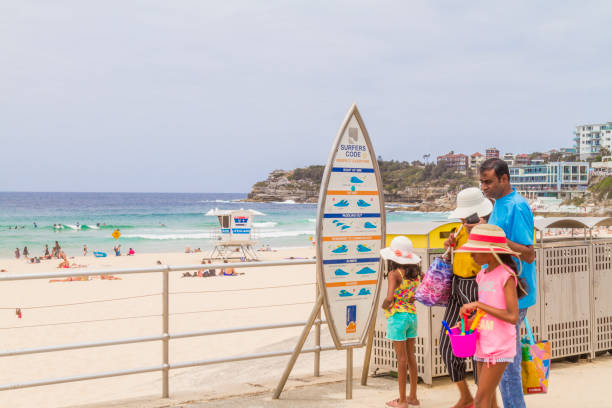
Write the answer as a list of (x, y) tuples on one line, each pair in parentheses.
[(282, 186), (401, 187)]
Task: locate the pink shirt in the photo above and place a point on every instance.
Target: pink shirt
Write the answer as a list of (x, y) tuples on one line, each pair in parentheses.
[(496, 338)]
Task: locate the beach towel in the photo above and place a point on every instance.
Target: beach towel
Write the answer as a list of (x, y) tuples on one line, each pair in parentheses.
[(535, 366), (435, 288)]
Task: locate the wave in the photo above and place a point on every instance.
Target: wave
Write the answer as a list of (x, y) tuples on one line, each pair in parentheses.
[(215, 211), (270, 224), (420, 212), (277, 234), (219, 201), (290, 202), (312, 220), (71, 226), (75, 227), (196, 235)]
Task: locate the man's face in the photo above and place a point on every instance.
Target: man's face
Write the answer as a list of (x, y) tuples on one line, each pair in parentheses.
[(490, 185)]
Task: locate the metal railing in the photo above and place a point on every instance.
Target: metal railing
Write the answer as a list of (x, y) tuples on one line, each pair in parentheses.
[(165, 335)]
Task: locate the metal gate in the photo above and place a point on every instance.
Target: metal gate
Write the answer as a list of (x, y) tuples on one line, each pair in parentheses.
[(602, 301), (566, 297)]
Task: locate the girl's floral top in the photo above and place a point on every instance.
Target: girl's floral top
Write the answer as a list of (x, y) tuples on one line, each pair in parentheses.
[(403, 297)]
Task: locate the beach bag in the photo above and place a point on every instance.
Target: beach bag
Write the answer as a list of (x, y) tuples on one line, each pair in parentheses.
[(535, 364), (435, 288)]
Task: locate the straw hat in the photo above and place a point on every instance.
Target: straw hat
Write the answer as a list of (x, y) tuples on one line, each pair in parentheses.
[(400, 251), (487, 238), (469, 201)]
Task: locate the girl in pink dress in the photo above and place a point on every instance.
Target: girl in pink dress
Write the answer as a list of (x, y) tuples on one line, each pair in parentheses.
[(498, 299)]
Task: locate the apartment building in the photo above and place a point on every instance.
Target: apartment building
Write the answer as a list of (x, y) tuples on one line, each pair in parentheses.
[(558, 179), (492, 153), (509, 159), (476, 160), (590, 138), (458, 162)]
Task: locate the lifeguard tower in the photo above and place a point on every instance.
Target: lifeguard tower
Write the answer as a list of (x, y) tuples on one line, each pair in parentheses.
[(235, 237)]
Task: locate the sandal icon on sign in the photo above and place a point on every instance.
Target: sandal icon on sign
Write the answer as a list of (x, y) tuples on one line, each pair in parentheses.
[(362, 204), (340, 249)]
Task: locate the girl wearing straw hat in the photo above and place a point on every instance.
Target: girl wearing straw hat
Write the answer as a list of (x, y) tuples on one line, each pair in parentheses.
[(404, 273), (472, 207), (498, 287)]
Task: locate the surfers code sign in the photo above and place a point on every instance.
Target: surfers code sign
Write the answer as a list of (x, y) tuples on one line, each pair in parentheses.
[(350, 230)]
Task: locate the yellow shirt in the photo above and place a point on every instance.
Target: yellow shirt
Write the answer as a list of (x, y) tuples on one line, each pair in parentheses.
[(463, 263)]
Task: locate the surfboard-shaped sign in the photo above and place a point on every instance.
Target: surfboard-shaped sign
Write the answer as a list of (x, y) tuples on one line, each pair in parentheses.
[(350, 233)]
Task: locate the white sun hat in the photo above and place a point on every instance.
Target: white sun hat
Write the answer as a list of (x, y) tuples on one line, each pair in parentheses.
[(400, 251), (469, 201)]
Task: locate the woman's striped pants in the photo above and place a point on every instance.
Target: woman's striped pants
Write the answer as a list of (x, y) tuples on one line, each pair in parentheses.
[(463, 290)]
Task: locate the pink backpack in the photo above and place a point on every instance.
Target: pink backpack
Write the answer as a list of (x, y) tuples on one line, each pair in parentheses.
[(435, 288)]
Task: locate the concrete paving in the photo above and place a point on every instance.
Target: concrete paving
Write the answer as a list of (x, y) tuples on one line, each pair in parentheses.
[(582, 384)]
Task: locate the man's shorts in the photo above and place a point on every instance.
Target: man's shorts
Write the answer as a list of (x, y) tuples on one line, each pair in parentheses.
[(402, 326)]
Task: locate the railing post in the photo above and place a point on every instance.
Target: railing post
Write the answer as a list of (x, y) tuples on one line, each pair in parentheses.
[(349, 373), (368, 351), (165, 330), (317, 354)]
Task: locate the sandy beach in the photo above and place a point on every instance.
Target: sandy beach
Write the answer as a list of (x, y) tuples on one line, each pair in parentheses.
[(44, 326)]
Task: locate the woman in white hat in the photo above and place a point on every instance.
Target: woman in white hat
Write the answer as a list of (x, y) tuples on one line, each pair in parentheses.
[(498, 287), (404, 275), (472, 208)]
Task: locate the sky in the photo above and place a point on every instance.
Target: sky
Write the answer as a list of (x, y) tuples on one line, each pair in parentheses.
[(210, 96)]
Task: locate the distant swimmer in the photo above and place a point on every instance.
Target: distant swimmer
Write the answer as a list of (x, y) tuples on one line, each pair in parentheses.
[(98, 224), (35, 226)]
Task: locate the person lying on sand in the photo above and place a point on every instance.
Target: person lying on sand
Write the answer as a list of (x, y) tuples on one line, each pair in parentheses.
[(203, 273), (75, 265), (229, 271), (71, 279), (65, 264)]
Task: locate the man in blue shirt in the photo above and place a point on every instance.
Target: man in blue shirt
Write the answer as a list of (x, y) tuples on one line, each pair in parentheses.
[(512, 213)]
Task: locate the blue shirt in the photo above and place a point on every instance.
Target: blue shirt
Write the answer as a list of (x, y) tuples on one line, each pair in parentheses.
[(513, 214)]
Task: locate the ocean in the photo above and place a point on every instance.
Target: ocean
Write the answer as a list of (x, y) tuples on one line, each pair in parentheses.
[(148, 222)]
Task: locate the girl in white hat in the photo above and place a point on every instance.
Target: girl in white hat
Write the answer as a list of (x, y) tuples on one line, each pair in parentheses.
[(498, 287), (404, 275)]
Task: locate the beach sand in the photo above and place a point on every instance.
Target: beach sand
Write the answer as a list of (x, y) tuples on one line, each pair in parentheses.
[(189, 312)]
